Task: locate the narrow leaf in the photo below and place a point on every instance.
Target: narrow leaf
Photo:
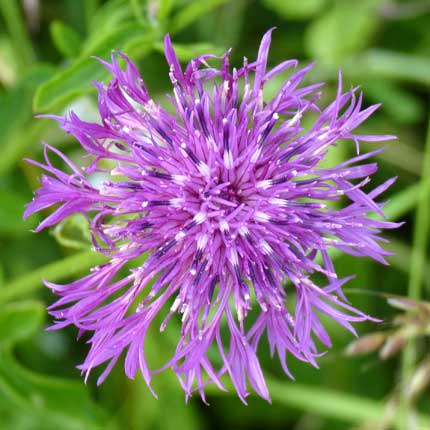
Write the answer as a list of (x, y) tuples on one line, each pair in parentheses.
[(19, 321)]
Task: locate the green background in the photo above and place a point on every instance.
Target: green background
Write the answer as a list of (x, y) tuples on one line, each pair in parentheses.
[(382, 45)]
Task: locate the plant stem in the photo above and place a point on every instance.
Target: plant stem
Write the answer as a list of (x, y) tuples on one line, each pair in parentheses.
[(56, 271), (416, 277)]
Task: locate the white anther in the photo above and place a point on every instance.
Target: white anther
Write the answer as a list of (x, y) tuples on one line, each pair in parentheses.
[(233, 257), (296, 118), (177, 202), (179, 236), (261, 216), (204, 169), (256, 155), (202, 241), (267, 249), (186, 312), (199, 217), (240, 313), (277, 201), (264, 184), (322, 136), (117, 171), (225, 87), (243, 230), (179, 179), (228, 159), (175, 305), (223, 225)]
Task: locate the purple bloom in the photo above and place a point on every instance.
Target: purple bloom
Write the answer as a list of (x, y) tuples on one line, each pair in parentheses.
[(225, 194)]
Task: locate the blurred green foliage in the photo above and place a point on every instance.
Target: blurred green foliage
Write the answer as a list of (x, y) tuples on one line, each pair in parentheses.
[(45, 66)]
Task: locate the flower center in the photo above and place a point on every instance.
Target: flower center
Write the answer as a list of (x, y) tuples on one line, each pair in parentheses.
[(232, 195)]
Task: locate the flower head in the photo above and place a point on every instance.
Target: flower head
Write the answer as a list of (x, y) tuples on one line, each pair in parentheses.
[(226, 196)]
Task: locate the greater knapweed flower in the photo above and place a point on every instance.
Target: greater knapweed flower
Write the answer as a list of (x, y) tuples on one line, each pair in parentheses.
[(225, 195)]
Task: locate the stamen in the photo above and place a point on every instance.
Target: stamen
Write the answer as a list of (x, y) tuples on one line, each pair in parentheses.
[(176, 304), (256, 155), (161, 251), (204, 169), (261, 216), (278, 202), (264, 184), (179, 179), (200, 217), (223, 225), (266, 248)]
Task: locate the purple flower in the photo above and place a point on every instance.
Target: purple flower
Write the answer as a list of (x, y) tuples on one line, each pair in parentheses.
[(225, 194)]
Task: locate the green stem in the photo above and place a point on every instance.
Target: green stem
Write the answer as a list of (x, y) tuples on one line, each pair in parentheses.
[(55, 272), (326, 403), (416, 275), (18, 34)]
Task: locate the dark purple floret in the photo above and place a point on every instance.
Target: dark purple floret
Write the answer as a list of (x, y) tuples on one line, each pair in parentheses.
[(225, 194)]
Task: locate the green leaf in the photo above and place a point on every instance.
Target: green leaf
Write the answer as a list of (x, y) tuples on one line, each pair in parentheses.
[(1, 275), (52, 402), (19, 142), (111, 15), (16, 134), (73, 232), (137, 8), (15, 104), (57, 271), (158, 349), (401, 203), (404, 106), (15, 109), (65, 39), (344, 30), (76, 79), (387, 64), (164, 8), (91, 7), (14, 22), (141, 45), (185, 52), (19, 321), (8, 69), (192, 13), (11, 209), (295, 9)]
